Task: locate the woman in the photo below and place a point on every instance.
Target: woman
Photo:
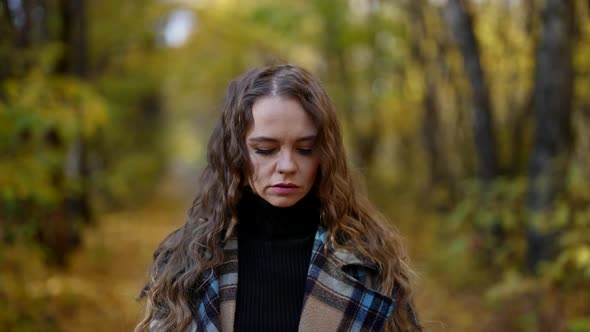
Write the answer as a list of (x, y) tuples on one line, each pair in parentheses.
[(313, 254)]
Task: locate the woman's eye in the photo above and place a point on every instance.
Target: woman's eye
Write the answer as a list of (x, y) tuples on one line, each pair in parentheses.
[(305, 151), (264, 151)]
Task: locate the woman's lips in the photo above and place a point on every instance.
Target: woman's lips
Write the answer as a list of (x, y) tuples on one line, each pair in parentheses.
[(284, 188)]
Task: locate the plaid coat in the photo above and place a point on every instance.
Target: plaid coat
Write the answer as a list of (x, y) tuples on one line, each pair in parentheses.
[(338, 293)]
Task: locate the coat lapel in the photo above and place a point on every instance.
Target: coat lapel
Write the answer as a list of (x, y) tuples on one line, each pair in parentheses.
[(337, 296)]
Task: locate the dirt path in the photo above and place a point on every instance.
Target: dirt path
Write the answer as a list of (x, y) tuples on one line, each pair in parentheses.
[(108, 273)]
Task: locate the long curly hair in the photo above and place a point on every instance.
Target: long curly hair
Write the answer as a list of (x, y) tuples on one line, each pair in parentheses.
[(350, 219)]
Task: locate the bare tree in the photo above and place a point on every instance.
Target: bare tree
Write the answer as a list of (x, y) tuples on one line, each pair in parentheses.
[(552, 104), (364, 140), (74, 37), (461, 25), (430, 118), (59, 231)]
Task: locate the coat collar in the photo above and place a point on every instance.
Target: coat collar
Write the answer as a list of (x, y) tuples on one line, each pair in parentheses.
[(338, 293)]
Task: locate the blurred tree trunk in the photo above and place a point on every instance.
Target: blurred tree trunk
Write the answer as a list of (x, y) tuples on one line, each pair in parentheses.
[(334, 45), (60, 232), (461, 25), (23, 32), (430, 117), (32, 26), (75, 63), (522, 117), (552, 103), (7, 15), (73, 36), (336, 59), (7, 30), (531, 13), (13, 37), (367, 138)]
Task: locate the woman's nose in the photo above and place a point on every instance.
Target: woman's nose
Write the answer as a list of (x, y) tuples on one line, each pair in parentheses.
[(286, 163)]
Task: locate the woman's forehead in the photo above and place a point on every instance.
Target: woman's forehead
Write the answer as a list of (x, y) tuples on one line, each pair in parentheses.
[(275, 117)]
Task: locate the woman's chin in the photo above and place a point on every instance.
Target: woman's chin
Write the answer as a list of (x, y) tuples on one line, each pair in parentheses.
[(282, 201)]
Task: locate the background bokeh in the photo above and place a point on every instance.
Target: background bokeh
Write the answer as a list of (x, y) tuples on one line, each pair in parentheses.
[(468, 119)]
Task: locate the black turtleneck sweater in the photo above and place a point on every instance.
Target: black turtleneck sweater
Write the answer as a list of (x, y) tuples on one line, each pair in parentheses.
[(274, 249)]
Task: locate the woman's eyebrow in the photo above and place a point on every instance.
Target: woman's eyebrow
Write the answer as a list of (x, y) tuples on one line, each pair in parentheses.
[(306, 138)]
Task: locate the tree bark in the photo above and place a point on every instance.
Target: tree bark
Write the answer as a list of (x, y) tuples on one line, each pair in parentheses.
[(367, 139), (333, 15), (60, 233), (73, 36), (75, 64), (430, 117), (522, 116), (7, 20), (461, 24), (552, 104)]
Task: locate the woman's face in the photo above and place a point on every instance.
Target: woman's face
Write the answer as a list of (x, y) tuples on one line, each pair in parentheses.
[(281, 148)]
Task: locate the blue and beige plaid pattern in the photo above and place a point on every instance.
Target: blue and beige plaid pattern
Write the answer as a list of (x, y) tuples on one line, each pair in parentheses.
[(207, 309), (337, 296)]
